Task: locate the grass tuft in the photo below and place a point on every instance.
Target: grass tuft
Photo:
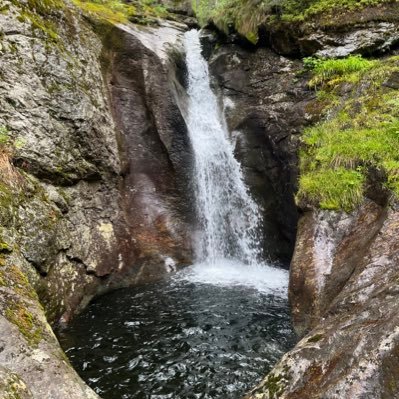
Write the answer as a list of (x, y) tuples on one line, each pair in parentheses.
[(361, 131), (333, 70), (332, 189)]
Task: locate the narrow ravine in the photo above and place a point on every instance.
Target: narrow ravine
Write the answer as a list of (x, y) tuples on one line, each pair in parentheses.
[(216, 328)]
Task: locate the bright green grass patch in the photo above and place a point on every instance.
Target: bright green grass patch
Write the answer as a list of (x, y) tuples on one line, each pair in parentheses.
[(332, 188), (353, 147), (361, 131), (333, 70)]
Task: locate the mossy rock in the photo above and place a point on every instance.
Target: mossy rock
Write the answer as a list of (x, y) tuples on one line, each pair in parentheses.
[(12, 386), (17, 299)]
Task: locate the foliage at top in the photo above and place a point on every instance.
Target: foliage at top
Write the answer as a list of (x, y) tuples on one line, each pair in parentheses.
[(360, 132), (247, 15), (119, 11)]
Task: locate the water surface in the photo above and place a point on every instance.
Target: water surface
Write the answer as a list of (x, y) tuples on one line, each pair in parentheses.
[(199, 334)]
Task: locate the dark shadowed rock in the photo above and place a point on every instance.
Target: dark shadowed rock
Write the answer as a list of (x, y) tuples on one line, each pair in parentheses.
[(265, 104), (368, 31)]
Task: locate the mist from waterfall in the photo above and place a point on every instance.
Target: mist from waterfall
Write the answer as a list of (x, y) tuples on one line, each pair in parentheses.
[(230, 219)]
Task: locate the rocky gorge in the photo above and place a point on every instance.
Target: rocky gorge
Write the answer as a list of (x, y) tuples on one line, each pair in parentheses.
[(95, 190)]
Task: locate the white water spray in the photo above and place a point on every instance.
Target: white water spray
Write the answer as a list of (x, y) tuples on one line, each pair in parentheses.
[(229, 217), (229, 246)]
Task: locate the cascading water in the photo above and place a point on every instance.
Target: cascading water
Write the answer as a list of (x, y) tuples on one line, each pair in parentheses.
[(213, 330), (229, 217)]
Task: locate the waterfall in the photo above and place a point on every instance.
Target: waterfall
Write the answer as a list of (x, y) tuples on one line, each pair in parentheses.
[(230, 219)]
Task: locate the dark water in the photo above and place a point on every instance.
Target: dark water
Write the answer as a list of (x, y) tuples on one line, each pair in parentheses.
[(178, 339)]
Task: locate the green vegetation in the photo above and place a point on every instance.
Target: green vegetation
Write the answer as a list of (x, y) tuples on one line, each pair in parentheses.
[(247, 15), (118, 11), (335, 70), (44, 15), (361, 131), (4, 136), (275, 383), (18, 314), (332, 189), (37, 12)]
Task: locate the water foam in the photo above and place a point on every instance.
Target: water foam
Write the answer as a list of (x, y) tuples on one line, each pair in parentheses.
[(231, 274)]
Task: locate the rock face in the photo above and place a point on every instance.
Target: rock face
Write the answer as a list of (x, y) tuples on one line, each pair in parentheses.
[(32, 363), (94, 159), (154, 140), (344, 294), (266, 108), (372, 30)]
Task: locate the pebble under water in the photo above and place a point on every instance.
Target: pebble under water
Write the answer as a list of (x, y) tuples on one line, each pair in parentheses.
[(187, 336)]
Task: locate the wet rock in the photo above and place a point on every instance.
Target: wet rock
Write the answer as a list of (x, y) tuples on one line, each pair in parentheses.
[(350, 286), (96, 192), (89, 214), (155, 192), (374, 38), (369, 31), (265, 102), (33, 364), (328, 248), (393, 81)]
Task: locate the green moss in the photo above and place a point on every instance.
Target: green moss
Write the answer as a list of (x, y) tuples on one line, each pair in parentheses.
[(13, 277), (19, 315), (12, 387), (41, 15), (275, 383), (112, 11), (6, 198), (332, 189), (45, 7), (335, 71), (361, 132), (5, 248), (315, 338), (303, 10), (118, 11), (15, 309), (247, 15), (38, 23)]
